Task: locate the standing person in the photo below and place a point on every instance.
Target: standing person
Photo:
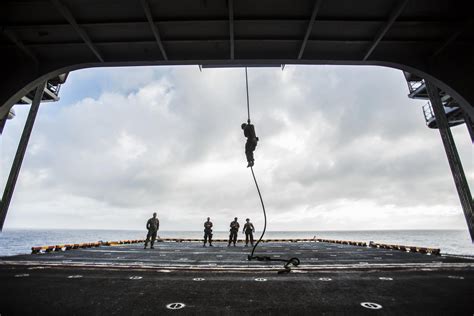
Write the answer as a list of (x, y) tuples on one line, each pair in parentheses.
[(234, 230), (251, 144), (208, 232), (152, 225), (248, 230)]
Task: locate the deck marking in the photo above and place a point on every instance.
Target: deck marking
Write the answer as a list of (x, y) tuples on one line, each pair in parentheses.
[(385, 278), (371, 305), (457, 277), (23, 275), (76, 276), (136, 277), (260, 279), (325, 279), (198, 279), (175, 305)]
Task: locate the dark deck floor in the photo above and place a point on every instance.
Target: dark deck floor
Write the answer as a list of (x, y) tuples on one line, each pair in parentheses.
[(331, 278)]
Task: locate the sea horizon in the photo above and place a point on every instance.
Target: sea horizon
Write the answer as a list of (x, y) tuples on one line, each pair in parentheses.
[(450, 241), (196, 230)]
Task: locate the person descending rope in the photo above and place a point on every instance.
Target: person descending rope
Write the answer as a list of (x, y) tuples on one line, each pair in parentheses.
[(251, 144), (249, 129)]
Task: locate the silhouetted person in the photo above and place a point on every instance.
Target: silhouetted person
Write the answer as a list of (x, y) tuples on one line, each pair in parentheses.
[(208, 232), (251, 144), (248, 230), (234, 229), (152, 225)]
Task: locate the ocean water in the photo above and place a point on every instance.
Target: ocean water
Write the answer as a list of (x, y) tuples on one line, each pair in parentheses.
[(20, 241)]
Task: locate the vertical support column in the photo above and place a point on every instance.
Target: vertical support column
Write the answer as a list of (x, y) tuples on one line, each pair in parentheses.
[(470, 126), (3, 121), (453, 156), (20, 154)]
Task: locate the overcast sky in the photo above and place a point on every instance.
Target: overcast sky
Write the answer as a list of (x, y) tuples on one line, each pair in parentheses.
[(340, 148)]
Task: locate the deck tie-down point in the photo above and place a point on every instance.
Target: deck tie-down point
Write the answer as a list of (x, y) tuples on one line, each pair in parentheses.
[(371, 305)]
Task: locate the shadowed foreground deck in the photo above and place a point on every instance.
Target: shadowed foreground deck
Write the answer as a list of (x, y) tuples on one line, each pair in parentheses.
[(129, 280)]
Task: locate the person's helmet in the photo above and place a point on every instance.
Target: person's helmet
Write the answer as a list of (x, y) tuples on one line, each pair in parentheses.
[(235, 218), (247, 219), (154, 214), (208, 218), (243, 125)]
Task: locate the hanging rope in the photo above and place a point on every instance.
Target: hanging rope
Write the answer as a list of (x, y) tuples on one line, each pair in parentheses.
[(286, 267), (292, 261), (247, 89), (264, 215)]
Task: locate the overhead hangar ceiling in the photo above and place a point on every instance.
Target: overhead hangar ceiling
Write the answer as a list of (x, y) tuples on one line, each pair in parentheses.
[(42, 38)]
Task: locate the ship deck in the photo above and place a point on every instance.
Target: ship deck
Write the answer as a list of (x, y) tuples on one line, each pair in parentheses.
[(331, 278)]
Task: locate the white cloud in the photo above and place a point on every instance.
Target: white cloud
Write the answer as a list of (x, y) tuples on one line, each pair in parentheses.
[(341, 148)]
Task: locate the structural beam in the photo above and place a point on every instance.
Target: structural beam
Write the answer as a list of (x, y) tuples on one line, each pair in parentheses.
[(317, 4), (452, 38), (3, 121), (70, 18), (453, 157), (395, 13), (226, 40), (184, 20), (231, 27), (20, 154), (470, 125), (154, 28), (12, 37)]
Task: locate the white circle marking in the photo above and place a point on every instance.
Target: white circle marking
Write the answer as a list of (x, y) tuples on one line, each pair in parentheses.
[(175, 305), (371, 305), (325, 279)]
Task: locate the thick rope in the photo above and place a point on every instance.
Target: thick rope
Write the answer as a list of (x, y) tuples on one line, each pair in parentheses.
[(288, 262), (286, 267), (247, 89), (264, 215)]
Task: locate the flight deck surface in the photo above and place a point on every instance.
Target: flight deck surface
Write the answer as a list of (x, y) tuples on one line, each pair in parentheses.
[(128, 279)]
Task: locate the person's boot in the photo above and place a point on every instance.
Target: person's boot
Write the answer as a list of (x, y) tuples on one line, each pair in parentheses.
[(210, 245), (228, 245), (234, 244)]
